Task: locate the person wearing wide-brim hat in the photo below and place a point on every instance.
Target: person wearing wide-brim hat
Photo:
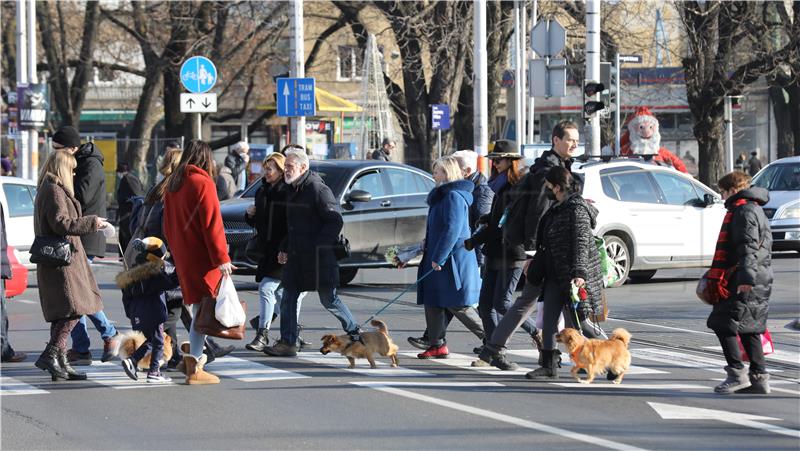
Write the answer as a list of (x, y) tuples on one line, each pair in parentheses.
[(504, 262)]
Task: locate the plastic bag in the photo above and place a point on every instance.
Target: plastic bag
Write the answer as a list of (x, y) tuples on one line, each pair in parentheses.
[(228, 310), (766, 344), (607, 265), (540, 318)]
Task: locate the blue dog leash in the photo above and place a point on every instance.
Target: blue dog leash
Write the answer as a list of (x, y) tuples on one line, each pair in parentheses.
[(397, 298)]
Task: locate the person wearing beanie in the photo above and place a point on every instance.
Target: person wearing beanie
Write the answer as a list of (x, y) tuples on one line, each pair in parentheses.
[(144, 288), (90, 191), (268, 216)]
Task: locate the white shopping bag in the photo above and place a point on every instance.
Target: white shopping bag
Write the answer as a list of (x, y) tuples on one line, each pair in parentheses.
[(229, 311), (540, 317)]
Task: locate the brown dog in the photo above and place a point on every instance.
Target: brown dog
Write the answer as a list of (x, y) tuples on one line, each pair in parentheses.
[(378, 342), (596, 356), (129, 342)]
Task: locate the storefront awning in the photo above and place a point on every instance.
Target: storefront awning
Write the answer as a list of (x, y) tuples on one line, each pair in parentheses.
[(326, 103)]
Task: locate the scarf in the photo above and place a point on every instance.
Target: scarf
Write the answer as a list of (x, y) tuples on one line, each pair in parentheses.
[(719, 271), (497, 182)]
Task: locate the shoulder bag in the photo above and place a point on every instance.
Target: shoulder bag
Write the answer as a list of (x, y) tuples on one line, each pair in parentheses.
[(54, 251)]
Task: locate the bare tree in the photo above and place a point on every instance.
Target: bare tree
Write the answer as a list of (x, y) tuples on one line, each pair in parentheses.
[(726, 53), (784, 90)]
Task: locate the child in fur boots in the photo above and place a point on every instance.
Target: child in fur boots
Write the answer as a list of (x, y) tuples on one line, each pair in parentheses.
[(144, 288)]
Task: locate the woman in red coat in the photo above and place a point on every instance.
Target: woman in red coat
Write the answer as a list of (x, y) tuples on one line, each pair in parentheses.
[(196, 239)]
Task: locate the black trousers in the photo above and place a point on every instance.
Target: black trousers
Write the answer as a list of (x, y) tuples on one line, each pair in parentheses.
[(436, 320), (752, 347)]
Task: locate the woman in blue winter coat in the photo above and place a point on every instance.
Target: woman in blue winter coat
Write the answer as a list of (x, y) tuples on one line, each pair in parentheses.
[(455, 280)]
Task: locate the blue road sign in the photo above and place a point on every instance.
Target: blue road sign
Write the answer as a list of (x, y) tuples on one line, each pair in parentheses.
[(440, 117), (198, 74), (296, 97)]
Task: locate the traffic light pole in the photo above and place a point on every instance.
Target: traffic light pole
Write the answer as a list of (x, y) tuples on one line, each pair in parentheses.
[(618, 106), (296, 69), (593, 70)]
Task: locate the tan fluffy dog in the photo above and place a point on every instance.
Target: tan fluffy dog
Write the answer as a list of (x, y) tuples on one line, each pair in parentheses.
[(378, 342), (129, 342), (596, 356)]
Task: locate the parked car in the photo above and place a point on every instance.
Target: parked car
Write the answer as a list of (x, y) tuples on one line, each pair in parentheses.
[(382, 203), (19, 274), (17, 197), (652, 217), (782, 179)]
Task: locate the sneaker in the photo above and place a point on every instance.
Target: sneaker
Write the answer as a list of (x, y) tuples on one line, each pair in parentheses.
[(79, 358), (419, 343), (477, 350), (16, 357), (130, 368), (281, 349), (172, 364), (435, 352), (110, 348), (157, 378)]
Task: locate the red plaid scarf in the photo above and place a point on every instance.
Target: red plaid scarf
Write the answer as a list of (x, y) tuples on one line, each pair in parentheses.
[(719, 270)]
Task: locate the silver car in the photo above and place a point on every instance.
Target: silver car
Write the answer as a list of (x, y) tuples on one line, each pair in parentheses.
[(782, 179)]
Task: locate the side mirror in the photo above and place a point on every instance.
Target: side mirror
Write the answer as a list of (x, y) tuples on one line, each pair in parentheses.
[(708, 200), (358, 195)]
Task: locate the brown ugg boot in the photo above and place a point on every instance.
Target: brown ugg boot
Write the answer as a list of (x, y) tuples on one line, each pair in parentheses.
[(194, 371)]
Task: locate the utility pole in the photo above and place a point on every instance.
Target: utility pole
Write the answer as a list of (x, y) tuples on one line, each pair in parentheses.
[(592, 132), (531, 99), (480, 85), (296, 68), (32, 163), (22, 80), (519, 74)]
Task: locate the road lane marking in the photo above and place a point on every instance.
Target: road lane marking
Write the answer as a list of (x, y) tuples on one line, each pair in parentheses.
[(590, 439), (627, 386), (633, 370), (464, 361), (678, 412), (10, 387), (426, 384), (779, 355), (641, 323), (248, 371), (338, 361), (25, 301), (682, 359)]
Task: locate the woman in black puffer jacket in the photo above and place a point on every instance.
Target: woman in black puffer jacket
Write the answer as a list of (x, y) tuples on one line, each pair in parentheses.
[(742, 267), (565, 254)]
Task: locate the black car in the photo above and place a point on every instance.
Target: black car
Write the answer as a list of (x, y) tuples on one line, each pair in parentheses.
[(382, 203)]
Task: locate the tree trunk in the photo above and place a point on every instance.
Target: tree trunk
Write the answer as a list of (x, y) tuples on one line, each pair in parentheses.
[(84, 72), (146, 119), (783, 120), (794, 104), (710, 143)]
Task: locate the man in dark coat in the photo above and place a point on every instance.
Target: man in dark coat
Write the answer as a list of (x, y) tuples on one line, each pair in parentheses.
[(9, 355), (129, 188), (237, 160), (385, 152), (314, 224), (90, 191), (753, 164)]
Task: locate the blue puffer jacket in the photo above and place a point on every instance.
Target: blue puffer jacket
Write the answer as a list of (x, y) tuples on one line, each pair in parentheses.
[(458, 283)]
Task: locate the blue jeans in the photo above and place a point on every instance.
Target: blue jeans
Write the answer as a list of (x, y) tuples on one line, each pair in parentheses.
[(329, 300), (497, 292), (270, 292), (196, 339), (80, 333)]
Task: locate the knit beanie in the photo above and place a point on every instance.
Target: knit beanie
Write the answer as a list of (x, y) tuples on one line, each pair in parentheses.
[(149, 249), (67, 136), (278, 158)]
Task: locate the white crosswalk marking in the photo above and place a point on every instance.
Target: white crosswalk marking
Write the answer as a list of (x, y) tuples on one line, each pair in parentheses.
[(682, 359), (10, 386), (633, 370), (246, 371), (625, 385), (336, 360), (112, 375), (779, 355), (465, 361)]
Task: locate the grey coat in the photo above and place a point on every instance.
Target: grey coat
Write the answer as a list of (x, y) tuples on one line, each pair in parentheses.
[(68, 291)]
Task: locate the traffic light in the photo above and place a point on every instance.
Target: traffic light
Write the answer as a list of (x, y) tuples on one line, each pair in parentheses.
[(591, 105)]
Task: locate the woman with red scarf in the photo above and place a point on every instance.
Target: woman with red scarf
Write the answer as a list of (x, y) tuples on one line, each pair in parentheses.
[(742, 276)]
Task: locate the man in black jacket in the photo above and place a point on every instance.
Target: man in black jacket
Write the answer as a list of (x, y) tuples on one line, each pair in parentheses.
[(236, 161), (520, 228), (90, 190), (314, 224), (9, 355), (129, 188)]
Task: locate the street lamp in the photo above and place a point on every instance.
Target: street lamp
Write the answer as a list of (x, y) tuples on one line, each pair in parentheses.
[(731, 102)]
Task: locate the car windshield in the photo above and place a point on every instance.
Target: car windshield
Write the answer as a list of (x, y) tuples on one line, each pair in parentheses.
[(779, 177), (331, 175)]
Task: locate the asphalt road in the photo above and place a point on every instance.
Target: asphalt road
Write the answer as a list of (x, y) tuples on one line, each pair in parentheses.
[(313, 402)]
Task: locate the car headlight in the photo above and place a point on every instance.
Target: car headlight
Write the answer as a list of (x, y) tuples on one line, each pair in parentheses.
[(790, 211)]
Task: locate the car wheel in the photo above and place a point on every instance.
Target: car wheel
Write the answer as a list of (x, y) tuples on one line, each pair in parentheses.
[(642, 276), (618, 251), (346, 275)]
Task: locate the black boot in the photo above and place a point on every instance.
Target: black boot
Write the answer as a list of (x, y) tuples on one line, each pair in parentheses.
[(48, 361), (759, 385), (72, 375), (558, 358), (260, 342), (548, 370)]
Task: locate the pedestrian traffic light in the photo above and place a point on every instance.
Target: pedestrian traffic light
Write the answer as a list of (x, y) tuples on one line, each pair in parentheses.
[(591, 104)]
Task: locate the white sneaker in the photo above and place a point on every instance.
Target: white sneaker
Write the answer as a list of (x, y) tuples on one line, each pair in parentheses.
[(158, 379), (130, 368)]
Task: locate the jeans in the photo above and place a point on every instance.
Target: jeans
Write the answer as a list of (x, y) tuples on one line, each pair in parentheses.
[(328, 299), (496, 293), (515, 316), (752, 347), (196, 339), (8, 351), (80, 334), (154, 344), (270, 292)]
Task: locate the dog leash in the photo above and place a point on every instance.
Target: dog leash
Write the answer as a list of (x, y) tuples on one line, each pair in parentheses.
[(397, 298)]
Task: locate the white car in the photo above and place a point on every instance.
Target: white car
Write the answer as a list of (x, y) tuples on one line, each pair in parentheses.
[(782, 179), (652, 217), (17, 197)]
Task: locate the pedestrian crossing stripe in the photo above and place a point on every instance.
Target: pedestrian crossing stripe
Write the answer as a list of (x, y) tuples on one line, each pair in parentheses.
[(244, 370), (633, 370), (779, 355), (631, 386), (682, 359), (464, 361), (383, 369), (10, 386)]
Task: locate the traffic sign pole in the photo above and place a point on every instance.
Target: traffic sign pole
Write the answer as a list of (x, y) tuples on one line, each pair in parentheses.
[(296, 69), (618, 100)]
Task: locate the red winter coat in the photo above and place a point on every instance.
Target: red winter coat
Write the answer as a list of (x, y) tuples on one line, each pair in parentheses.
[(195, 236)]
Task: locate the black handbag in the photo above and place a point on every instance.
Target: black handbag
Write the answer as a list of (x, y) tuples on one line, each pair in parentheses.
[(342, 248), (55, 251)]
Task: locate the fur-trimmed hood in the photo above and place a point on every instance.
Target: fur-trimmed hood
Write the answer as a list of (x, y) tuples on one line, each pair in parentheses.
[(139, 273)]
